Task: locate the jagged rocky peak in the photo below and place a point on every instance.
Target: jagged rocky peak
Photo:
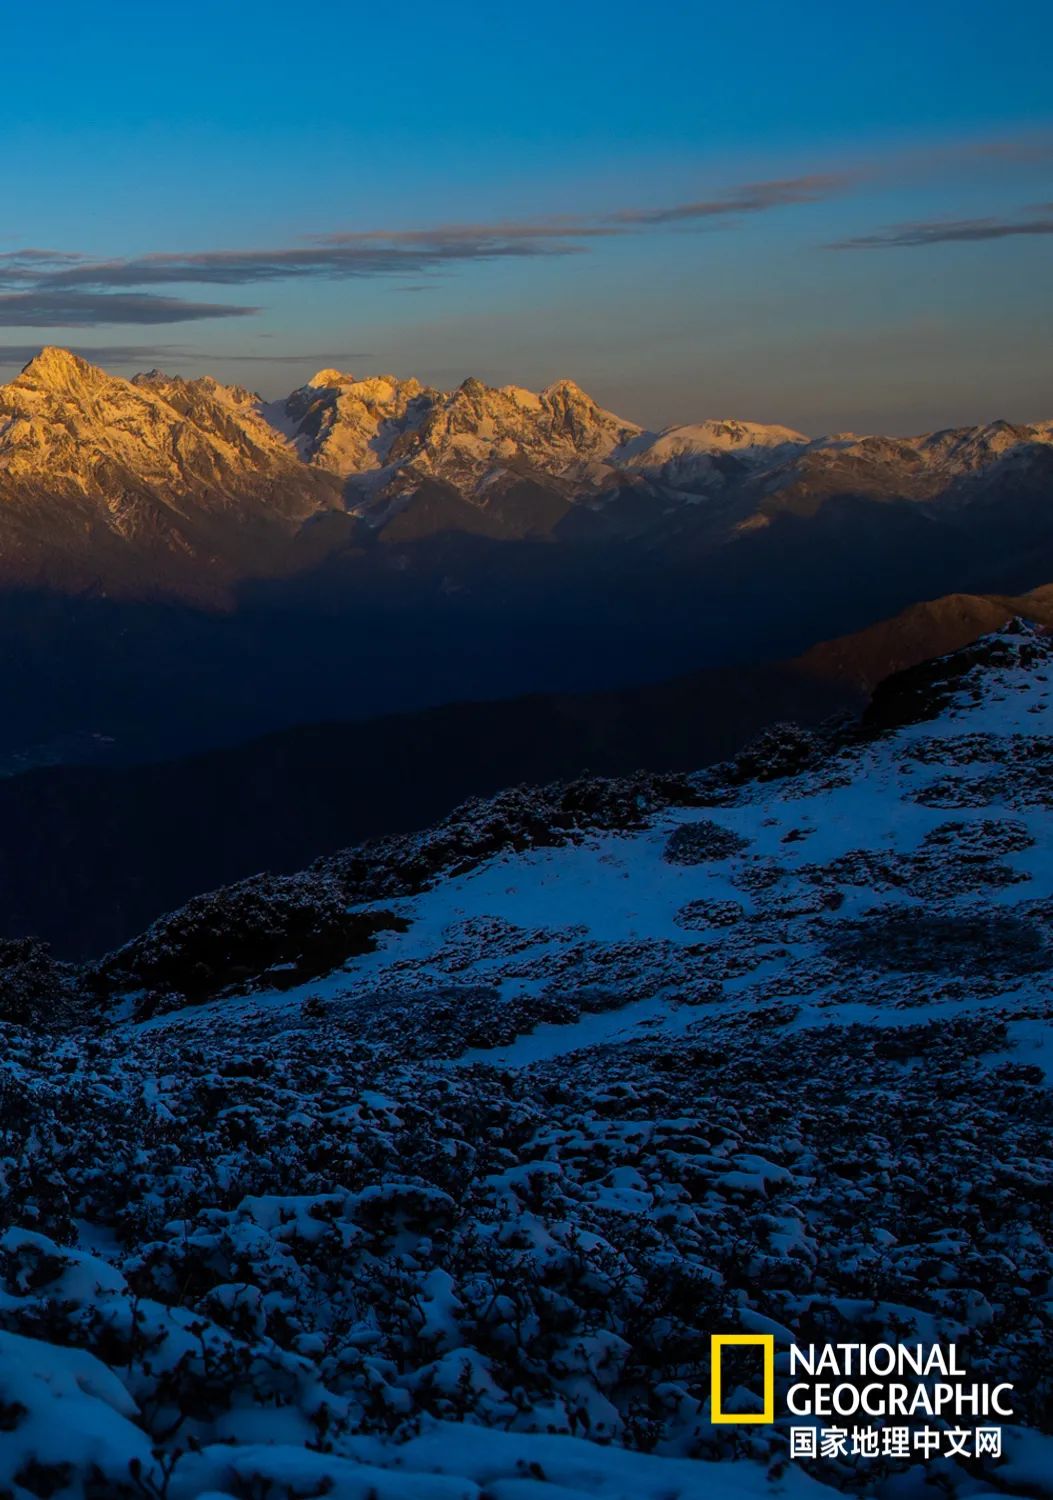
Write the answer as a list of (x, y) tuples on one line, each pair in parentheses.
[(59, 387), (565, 394), (575, 415), (58, 374), (63, 414), (75, 429), (351, 425), (181, 392), (153, 377), (337, 383), (347, 425), (58, 369), (381, 446), (561, 413), (479, 436), (329, 379)]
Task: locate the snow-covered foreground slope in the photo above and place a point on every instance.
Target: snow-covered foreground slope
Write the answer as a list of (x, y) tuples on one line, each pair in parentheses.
[(765, 1050)]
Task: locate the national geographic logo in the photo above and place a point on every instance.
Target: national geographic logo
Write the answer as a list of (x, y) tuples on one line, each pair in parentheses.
[(718, 1343), (890, 1394)]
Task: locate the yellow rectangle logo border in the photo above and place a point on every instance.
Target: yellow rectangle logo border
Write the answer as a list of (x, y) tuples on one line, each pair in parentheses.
[(717, 1344)]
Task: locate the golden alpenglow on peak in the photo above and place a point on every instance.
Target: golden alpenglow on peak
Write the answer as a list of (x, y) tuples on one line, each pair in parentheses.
[(328, 378), (57, 366)]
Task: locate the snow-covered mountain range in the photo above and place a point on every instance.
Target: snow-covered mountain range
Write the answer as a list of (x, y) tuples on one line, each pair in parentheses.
[(143, 485), (159, 484), (427, 1175)]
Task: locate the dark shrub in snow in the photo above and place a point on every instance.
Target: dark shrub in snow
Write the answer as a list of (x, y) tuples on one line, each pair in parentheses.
[(35, 990), (695, 843), (973, 942), (781, 750), (703, 915), (523, 817), (279, 929)]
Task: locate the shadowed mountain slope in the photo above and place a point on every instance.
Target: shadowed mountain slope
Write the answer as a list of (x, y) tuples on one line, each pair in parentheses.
[(90, 854)]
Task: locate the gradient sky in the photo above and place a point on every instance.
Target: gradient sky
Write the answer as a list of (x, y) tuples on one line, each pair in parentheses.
[(830, 215)]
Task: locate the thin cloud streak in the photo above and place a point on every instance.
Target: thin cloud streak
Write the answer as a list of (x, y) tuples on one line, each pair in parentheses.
[(378, 253), (944, 232), (21, 354), (173, 354), (58, 288), (75, 309), (751, 198), (370, 258), (1034, 150), (22, 268), (318, 360), (470, 236)]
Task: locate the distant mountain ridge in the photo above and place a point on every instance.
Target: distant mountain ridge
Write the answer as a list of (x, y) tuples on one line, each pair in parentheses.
[(164, 487), (923, 631)]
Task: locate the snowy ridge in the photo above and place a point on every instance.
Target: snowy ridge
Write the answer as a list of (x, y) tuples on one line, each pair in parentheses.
[(160, 484), (710, 455), (70, 420), (153, 484), (352, 426), (604, 1069)]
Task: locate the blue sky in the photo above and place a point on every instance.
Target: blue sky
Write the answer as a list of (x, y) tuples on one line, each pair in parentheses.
[(828, 215)]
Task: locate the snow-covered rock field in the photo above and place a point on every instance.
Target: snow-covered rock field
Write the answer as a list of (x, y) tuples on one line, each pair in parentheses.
[(603, 1071)]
